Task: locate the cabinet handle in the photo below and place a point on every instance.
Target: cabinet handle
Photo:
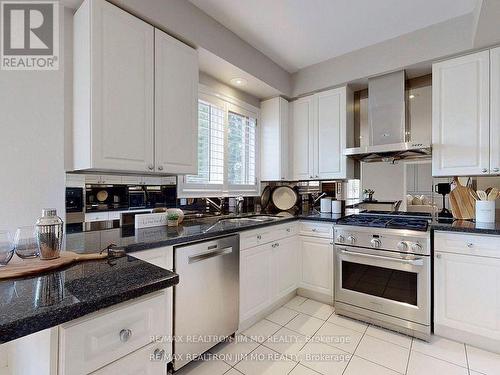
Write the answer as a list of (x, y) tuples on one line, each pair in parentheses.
[(160, 167), (158, 354), (496, 169), (484, 170), (151, 167), (259, 237), (125, 335), (311, 176), (438, 256), (288, 230), (469, 245), (317, 176), (314, 230)]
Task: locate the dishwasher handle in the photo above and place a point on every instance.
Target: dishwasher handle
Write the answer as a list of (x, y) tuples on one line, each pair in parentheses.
[(210, 254)]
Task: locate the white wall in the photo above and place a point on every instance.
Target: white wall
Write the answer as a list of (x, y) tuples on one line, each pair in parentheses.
[(428, 44), (32, 124), (386, 179), (224, 89)]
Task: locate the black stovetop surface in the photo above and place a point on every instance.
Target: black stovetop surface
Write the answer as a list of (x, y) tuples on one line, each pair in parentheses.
[(397, 220)]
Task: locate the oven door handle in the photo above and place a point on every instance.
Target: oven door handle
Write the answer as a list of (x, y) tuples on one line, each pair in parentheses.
[(413, 262)]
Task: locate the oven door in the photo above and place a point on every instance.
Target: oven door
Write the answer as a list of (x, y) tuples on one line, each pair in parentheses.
[(384, 282)]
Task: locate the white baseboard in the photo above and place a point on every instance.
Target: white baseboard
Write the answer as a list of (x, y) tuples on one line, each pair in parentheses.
[(467, 338), (317, 296)]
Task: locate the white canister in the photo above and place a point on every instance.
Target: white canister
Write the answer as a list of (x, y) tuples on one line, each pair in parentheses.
[(336, 207), (326, 205), (485, 211)]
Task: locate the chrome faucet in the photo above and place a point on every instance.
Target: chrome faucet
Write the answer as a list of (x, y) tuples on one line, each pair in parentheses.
[(218, 207), (239, 204)]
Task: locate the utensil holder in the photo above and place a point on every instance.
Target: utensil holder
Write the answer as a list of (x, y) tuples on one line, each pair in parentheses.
[(326, 205), (485, 211)]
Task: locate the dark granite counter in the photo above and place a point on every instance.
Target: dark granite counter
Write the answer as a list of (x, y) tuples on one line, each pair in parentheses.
[(29, 305), (320, 216), (132, 239), (466, 226)]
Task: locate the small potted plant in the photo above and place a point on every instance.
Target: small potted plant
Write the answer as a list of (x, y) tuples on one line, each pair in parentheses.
[(172, 219), (368, 195)]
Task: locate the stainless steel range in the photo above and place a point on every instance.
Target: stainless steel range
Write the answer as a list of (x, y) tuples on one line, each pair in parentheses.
[(383, 271)]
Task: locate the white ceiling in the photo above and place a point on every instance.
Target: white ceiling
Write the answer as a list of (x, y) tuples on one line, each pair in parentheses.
[(299, 33)]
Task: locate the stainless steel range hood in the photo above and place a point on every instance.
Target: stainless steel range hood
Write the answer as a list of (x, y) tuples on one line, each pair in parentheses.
[(388, 132)]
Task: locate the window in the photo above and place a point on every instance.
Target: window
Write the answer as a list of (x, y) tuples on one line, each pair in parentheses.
[(227, 149), (210, 145)]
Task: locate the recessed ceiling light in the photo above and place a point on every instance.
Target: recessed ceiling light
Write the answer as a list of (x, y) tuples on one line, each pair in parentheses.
[(239, 81), (411, 96)]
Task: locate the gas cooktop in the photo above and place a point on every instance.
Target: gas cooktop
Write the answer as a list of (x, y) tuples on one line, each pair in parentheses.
[(399, 220)]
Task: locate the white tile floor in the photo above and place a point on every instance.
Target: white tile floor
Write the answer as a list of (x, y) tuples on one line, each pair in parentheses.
[(305, 337)]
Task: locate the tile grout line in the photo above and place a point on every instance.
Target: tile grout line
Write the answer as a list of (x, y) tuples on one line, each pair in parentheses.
[(467, 359), (409, 356), (354, 352)]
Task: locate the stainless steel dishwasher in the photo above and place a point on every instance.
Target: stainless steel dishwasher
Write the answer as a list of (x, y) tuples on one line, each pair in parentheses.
[(206, 300)]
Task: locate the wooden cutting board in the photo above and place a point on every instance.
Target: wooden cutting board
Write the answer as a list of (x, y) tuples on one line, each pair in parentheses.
[(30, 267), (461, 201)]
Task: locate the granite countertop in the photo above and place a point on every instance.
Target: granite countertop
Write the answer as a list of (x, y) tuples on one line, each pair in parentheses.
[(466, 226), (29, 305)]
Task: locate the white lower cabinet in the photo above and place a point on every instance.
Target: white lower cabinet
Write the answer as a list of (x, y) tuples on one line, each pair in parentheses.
[(467, 288), (96, 340), (145, 361), (268, 271), (255, 280), (286, 266), (316, 261)]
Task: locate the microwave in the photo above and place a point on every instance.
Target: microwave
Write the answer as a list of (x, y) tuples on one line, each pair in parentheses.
[(136, 197)]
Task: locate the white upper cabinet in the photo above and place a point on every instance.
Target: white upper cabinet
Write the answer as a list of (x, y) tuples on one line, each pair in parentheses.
[(331, 133), (135, 95), (495, 111), (303, 127), (322, 129), (176, 106), (113, 89), (274, 145), (460, 116)]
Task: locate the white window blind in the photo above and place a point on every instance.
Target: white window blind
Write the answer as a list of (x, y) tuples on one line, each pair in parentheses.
[(210, 145), (241, 149), (227, 149)]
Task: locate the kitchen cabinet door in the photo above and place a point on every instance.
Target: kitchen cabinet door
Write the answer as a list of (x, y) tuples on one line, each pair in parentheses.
[(113, 95), (256, 285), (466, 296), (316, 259), (330, 134), (303, 122), (274, 142), (176, 106), (460, 116), (285, 262), (495, 111)]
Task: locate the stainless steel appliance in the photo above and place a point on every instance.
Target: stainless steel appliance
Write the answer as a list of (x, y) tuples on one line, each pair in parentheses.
[(383, 271), (74, 205), (207, 298)]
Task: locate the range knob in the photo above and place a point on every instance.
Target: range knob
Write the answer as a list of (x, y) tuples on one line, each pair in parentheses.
[(375, 243), (340, 238), (402, 246), (351, 240), (416, 248)]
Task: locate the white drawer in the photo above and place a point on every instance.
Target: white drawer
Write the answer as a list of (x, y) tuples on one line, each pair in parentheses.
[(266, 234), (162, 257), (324, 230), (97, 216), (467, 243), (91, 342), (146, 361), (115, 215)]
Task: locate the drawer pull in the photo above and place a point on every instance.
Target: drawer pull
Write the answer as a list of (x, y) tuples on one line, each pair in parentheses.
[(259, 237), (469, 245), (125, 335), (158, 354), (288, 230), (314, 230)]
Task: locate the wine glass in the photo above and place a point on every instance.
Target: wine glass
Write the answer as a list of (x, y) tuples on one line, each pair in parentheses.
[(25, 242), (6, 248)]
